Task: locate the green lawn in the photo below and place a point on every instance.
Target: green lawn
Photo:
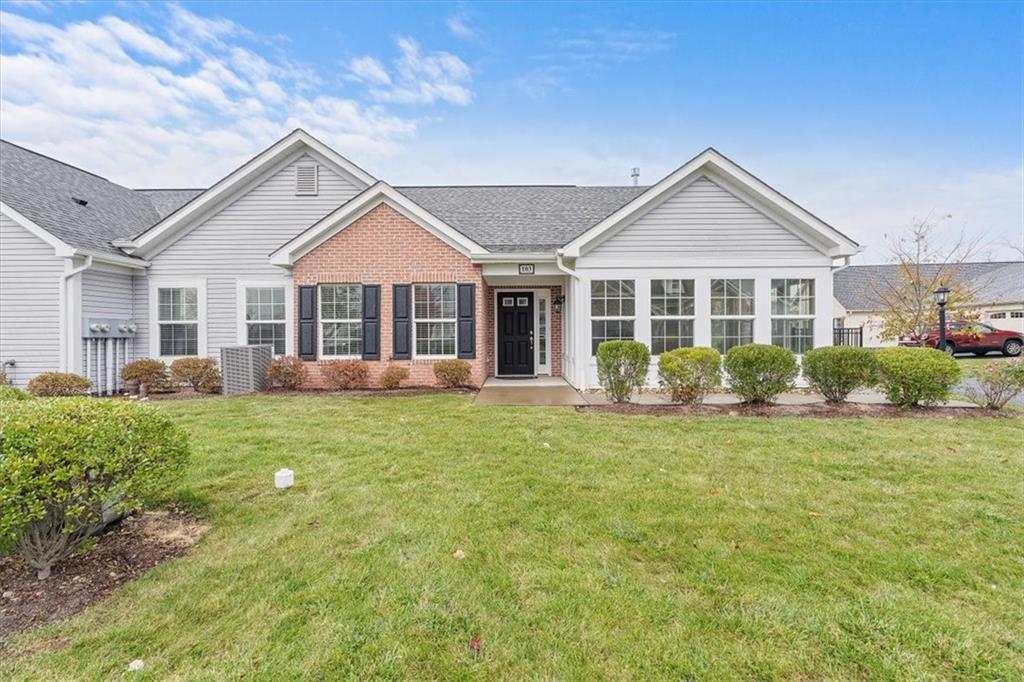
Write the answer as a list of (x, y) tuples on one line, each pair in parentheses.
[(596, 546)]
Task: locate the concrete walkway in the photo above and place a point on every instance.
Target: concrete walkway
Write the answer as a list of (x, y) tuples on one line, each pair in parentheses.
[(556, 391)]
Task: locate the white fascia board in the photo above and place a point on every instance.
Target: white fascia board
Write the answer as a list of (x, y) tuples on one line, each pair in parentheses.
[(716, 166), (356, 208), (512, 257), (240, 179), (61, 249), (113, 259)]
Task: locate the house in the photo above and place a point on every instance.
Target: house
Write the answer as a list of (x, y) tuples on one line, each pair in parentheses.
[(302, 249), (1000, 296)]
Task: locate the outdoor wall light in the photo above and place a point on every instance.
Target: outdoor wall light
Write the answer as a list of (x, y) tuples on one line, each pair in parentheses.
[(556, 304)]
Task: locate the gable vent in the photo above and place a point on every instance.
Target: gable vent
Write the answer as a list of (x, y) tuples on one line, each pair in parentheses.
[(306, 180)]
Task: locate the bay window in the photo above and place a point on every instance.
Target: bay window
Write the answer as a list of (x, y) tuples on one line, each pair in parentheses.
[(341, 320), (793, 314), (672, 310), (732, 313), (612, 310), (434, 320)]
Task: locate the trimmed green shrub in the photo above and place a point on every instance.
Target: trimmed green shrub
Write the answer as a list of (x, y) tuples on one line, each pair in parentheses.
[(145, 371), (622, 368), (837, 371), (345, 374), (199, 373), (690, 374), (452, 373), (58, 384), (758, 373), (12, 393), (64, 461), (999, 382), (287, 372), (917, 376), (392, 377)]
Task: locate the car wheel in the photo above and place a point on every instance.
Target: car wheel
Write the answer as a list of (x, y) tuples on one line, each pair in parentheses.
[(1012, 348), (950, 348)]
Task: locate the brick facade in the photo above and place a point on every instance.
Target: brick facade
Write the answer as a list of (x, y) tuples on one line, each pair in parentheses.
[(384, 247), (554, 328)]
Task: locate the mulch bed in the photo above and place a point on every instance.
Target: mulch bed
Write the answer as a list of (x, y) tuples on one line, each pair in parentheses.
[(189, 394), (127, 550), (818, 410)]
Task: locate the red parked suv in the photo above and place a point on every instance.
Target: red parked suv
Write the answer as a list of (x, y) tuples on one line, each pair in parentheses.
[(977, 338)]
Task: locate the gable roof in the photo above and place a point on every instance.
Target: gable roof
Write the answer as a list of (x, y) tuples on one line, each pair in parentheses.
[(167, 201), (289, 147), (360, 205), (521, 217), (1000, 282), (732, 177), (43, 191)]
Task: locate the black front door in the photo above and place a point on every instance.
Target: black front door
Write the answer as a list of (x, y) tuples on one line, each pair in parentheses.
[(515, 333)]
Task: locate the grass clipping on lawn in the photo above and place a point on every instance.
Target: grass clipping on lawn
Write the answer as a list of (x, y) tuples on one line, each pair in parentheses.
[(427, 537)]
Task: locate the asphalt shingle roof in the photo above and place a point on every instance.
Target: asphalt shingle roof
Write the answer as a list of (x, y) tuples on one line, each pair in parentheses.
[(167, 201), (1001, 282), (522, 218), (44, 191)]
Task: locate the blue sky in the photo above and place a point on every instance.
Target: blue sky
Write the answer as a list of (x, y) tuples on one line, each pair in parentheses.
[(870, 115)]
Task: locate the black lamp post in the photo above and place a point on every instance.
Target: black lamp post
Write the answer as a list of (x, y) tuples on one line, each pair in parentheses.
[(941, 297)]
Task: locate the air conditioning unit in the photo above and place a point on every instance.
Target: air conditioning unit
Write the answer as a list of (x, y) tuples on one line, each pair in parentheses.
[(244, 368)]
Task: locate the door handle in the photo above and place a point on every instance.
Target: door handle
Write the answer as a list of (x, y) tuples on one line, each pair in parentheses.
[(531, 340)]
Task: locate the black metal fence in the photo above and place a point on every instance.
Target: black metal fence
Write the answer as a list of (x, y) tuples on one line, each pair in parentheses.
[(848, 336)]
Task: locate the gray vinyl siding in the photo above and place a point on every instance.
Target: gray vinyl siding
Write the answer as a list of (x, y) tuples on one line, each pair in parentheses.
[(109, 294), (705, 221), (236, 242), (30, 280)]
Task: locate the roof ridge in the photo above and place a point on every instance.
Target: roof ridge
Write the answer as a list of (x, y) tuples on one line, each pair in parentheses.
[(972, 262), (63, 163), (636, 187), (169, 189)]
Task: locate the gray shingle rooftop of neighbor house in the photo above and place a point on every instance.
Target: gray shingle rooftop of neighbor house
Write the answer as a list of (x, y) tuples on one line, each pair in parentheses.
[(48, 192), (999, 282), (523, 217), (167, 201)]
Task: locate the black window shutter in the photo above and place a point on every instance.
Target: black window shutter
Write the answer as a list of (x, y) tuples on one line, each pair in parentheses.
[(467, 321), (401, 316), (307, 322), (371, 322)]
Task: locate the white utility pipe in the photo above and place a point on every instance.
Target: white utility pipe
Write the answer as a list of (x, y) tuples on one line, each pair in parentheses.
[(110, 366)]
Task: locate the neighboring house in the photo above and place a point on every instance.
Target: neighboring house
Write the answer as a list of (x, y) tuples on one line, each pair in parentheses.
[(1000, 296), (303, 249)]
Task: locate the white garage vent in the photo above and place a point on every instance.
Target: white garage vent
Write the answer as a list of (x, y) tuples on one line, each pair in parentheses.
[(306, 176), (244, 368)]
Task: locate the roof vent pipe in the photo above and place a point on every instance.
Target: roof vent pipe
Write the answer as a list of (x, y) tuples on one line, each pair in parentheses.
[(635, 174)]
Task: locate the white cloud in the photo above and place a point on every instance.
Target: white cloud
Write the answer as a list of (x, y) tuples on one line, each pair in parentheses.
[(458, 24), (418, 77), (186, 103)]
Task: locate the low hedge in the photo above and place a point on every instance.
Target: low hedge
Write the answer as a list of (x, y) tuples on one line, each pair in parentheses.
[(758, 373), (452, 373), (345, 374), (147, 371), (58, 384), (622, 368), (8, 392), (998, 383), (916, 376), (199, 373), (837, 371), (690, 374), (287, 372), (64, 461), (392, 377)]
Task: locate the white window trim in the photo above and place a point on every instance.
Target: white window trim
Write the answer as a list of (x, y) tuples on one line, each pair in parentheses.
[(592, 318), (652, 317), (241, 329), (712, 318), (417, 356), (538, 295), (320, 320), (772, 316), (155, 283)]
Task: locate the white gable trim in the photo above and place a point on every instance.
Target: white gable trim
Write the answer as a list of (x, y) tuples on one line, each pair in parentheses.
[(358, 206), (61, 249), (734, 179), (290, 147)]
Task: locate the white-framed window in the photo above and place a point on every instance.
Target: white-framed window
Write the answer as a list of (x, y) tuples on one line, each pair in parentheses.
[(612, 310), (793, 314), (435, 321), (341, 320), (997, 316), (672, 311), (1016, 314), (178, 321), (266, 317), (542, 330), (732, 313)]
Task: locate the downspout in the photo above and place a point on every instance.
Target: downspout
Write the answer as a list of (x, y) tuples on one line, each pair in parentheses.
[(576, 327), (68, 329)]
